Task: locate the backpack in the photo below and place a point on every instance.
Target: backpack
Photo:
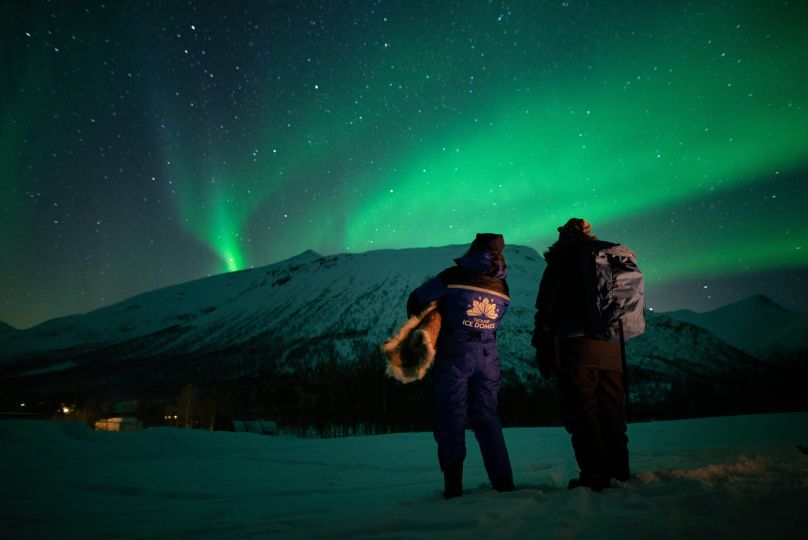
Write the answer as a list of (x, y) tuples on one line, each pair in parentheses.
[(613, 291)]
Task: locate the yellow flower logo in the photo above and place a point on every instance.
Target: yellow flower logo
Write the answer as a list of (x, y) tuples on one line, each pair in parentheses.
[(483, 307)]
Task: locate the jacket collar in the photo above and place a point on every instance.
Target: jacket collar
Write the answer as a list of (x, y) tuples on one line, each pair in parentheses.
[(480, 262)]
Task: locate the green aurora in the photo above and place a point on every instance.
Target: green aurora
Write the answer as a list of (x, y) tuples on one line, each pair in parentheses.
[(692, 106), (151, 144), (633, 136)]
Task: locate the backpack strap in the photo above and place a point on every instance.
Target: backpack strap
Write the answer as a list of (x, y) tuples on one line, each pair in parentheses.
[(624, 365)]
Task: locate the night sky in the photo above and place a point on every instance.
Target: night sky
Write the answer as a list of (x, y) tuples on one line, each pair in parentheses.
[(144, 144)]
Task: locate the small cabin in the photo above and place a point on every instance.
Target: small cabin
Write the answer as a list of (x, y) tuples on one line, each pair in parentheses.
[(119, 423)]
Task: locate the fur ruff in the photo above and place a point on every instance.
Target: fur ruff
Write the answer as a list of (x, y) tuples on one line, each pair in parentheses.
[(411, 351)]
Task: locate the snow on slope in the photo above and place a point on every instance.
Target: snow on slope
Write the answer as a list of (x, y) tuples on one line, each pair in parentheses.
[(304, 298), (732, 477), (682, 349), (136, 317), (756, 325), (342, 296)]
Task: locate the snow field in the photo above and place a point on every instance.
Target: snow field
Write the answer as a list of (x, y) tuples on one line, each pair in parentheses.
[(731, 477)]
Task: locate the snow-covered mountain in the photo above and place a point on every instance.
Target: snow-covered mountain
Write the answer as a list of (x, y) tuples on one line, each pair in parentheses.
[(310, 309), (756, 325), (303, 299)]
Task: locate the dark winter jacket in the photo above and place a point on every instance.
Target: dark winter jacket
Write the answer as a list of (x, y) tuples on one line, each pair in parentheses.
[(560, 303), (561, 311), (470, 302)]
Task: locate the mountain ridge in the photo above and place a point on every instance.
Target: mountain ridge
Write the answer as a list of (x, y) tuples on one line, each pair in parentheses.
[(757, 325)]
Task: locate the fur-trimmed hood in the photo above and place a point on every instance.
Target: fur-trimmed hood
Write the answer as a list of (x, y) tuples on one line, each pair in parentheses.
[(411, 352)]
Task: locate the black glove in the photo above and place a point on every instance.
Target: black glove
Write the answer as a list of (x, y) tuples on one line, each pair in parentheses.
[(544, 341)]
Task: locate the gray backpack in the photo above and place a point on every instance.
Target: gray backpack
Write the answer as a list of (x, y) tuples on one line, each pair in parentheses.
[(615, 296)]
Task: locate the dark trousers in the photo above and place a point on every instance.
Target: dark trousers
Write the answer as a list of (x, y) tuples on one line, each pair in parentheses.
[(593, 409), (466, 379)]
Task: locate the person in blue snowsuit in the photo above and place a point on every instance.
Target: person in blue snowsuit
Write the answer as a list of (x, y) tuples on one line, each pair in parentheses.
[(472, 299)]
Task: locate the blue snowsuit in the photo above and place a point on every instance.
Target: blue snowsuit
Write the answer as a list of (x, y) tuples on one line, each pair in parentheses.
[(466, 373)]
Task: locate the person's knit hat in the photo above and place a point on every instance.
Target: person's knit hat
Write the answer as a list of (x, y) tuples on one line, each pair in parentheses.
[(575, 228), (488, 242), (484, 256)]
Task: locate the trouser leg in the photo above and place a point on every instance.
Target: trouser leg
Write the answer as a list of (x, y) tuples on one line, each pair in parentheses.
[(611, 415), (579, 406), (450, 389), (484, 420)]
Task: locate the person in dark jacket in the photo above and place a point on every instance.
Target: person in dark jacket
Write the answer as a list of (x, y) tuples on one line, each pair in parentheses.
[(588, 371), (472, 299)]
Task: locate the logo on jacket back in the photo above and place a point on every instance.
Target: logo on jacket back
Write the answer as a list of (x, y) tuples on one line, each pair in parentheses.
[(483, 307)]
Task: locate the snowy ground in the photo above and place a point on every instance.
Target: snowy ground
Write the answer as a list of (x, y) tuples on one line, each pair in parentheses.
[(736, 477)]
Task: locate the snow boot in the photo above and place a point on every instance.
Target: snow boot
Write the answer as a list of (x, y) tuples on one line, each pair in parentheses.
[(506, 485), (596, 482), (621, 476), (453, 479)]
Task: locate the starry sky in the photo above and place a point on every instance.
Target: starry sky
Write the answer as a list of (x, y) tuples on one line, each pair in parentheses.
[(147, 143)]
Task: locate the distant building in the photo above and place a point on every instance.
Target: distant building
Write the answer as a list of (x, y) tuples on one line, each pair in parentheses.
[(120, 423)]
